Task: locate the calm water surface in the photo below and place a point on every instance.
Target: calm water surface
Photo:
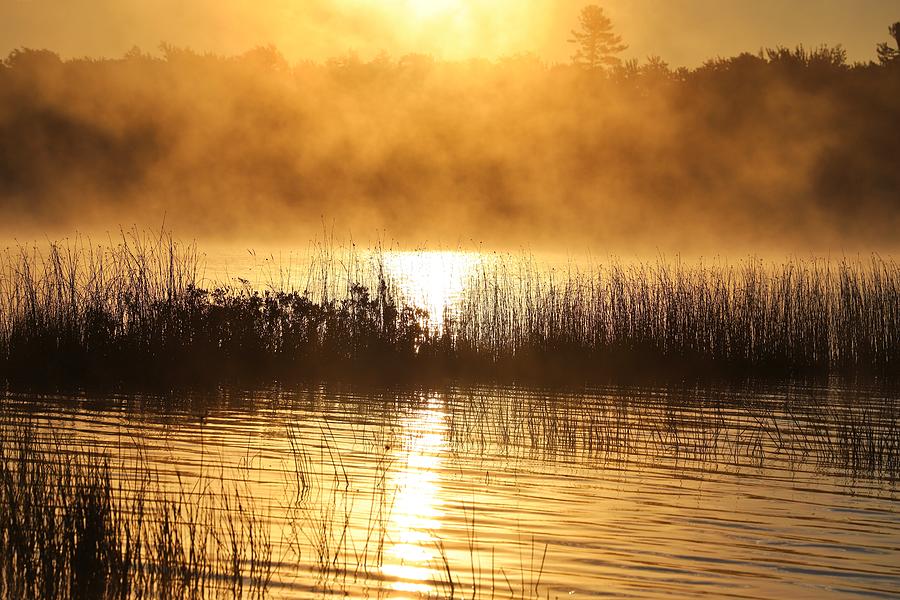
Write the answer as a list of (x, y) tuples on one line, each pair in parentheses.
[(783, 492)]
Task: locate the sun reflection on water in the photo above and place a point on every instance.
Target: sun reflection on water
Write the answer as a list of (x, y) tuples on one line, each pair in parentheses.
[(418, 508), (432, 280)]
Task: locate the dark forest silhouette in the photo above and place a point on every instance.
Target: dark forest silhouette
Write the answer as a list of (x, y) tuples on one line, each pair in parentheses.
[(787, 145)]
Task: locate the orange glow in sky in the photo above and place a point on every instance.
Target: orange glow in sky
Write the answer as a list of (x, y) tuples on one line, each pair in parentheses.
[(684, 33)]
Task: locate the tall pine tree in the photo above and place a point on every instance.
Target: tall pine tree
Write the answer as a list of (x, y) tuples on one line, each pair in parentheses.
[(596, 43), (886, 54)]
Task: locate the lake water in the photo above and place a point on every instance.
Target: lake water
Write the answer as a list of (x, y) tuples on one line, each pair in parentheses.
[(780, 492), (747, 492)]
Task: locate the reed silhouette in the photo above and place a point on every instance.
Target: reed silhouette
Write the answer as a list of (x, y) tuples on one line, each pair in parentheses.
[(137, 313), (71, 527)]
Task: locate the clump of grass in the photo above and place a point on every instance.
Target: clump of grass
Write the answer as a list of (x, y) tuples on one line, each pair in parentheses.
[(138, 312), (68, 530), (800, 318)]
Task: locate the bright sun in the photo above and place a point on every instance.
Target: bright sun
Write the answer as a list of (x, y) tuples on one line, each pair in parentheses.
[(432, 280), (429, 9)]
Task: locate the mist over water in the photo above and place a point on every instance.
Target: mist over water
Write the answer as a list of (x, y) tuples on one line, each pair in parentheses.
[(788, 152)]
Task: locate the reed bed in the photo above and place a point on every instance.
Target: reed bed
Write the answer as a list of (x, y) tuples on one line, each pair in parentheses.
[(76, 523), (135, 311), (140, 312), (70, 529), (799, 318)]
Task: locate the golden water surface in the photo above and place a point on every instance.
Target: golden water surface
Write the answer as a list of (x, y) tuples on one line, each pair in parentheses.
[(512, 493)]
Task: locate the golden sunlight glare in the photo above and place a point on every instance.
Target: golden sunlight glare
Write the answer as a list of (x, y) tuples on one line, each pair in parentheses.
[(417, 507), (429, 9), (431, 279)]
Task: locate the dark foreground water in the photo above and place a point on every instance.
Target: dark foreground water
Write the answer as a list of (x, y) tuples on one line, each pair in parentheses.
[(782, 493)]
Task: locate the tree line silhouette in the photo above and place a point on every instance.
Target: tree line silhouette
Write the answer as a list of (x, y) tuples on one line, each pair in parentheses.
[(783, 144)]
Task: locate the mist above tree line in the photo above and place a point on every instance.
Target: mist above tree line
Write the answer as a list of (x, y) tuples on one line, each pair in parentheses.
[(785, 148)]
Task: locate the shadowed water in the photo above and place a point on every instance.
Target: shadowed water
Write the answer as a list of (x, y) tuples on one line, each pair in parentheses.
[(502, 492)]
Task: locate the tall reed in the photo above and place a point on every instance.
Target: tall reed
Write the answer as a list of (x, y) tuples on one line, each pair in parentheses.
[(139, 312), (70, 529), (802, 317), (135, 311)]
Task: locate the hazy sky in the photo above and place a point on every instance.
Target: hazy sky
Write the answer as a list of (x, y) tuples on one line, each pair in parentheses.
[(684, 32)]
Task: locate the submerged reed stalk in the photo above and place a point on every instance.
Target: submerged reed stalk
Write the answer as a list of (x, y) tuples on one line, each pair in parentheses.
[(70, 529)]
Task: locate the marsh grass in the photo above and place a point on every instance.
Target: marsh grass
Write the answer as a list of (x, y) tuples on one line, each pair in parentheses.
[(668, 319), (140, 312), (77, 523), (71, 529), (135, 311)]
